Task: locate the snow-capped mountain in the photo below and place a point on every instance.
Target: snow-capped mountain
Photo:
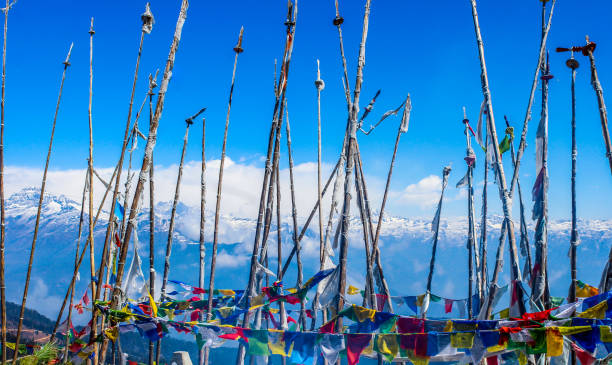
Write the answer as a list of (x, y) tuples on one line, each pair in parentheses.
[(405, 245)]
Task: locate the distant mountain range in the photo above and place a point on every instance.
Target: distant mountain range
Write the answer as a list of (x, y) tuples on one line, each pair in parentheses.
[(405, 245)]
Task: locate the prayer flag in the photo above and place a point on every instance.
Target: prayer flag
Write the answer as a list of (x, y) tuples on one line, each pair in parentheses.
[(355, 344)]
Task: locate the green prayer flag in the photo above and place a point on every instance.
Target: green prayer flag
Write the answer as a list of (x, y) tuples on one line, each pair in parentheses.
[(556, 301), (258, 342), (504, 145), (539, 341)]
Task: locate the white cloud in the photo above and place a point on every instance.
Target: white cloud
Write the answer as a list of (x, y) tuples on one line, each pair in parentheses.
[(225, 260), (424, 193)]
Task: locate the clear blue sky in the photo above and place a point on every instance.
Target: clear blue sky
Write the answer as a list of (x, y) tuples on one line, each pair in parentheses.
[(424, 48)]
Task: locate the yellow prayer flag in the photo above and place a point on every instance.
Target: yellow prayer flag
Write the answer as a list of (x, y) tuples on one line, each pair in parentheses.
[(258, 300), (387, 345), (227, 292), (505, 313), (497, 348), (277, 344), (573, 330), (112, 333), (462, 340), (153, 305), (370, 349), (363, 313), (522, 358), (448, 327), (554, 342), (605, 334), (352, 290), (586, 291), (598, 311)]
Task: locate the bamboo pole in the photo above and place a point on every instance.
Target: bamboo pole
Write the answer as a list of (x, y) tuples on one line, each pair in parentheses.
[(152, 85), (296, 242), (2, 212), (403, 128), (202, 247), (177, 191), (310, 216), (524, 233), (435, 226), (483, 223), (573, 65), (92, 263), (76, 260), (151, 139), (80, 260), (603, 112), (350, 163), (503, 190), (320, 85), (280, 95), (519, 154), (147, 25), (40, 202), (237, 49), (539, 292), (471, 244), (606, 284)]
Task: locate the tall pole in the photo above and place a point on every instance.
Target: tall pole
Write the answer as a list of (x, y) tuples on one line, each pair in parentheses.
[(573, 65), (147, 26), (435, 227), (76, 259), (517, 163), (276, 119), (213, 261), (151, 140), (403, 128), (92, 263), (471, 160), (603, 112), (39, 210), (2, 217), (483, 223), (152, 85), (539, 292), (202, 224), (503, 188)]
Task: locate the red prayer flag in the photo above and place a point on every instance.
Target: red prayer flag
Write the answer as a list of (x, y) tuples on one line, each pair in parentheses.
[(328, 327), (355, 344), (492, 360), (86, 298), (448, 305), (117, 240), (584, 356)]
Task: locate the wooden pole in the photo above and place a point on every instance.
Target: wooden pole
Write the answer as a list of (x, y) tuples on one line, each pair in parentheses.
[(177, 191), (503, 190), (76, 260), (152, 85), (403, 128), (573, 65), (279, 262), (2, 212), (471, 244), (80, 260), (151, 139), (519, 154), (435, 227), (350, 164), (211, 281), (539, 291), (147, 24), (603, 114), (40, 202), (201, 357), (276, 117), (483, 224), (525, 247), (296, 242)]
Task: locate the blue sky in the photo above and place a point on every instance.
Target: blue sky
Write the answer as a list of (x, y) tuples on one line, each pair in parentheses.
[(421, 48)]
